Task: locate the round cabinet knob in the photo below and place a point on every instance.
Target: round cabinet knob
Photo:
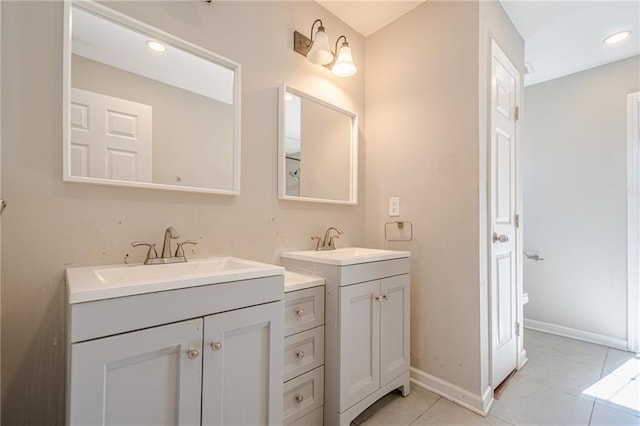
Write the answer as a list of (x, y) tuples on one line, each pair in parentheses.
[(299, 398), (300, 312), (216, 346), (300, 354), (385, 297), (193, 353), (379, 298)]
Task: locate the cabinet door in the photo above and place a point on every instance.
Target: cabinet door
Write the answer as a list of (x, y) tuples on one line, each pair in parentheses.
[(148, 377), (394, 327), (359, 342), (243, 367)]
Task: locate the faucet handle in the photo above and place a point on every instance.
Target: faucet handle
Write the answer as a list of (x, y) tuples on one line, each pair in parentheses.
[(331, 243), (151, 253), (318, 240), (180, 250)]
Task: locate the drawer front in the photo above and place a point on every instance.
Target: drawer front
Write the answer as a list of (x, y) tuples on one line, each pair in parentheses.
[(303, 310), (303, 352), (314, 418), (303, 394)]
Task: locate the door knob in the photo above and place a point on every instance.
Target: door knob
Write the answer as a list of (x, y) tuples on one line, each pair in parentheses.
[(502, 238)]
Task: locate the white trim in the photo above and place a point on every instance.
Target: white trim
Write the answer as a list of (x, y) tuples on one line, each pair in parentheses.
[(573, 333), (479, 404), (633, 222)]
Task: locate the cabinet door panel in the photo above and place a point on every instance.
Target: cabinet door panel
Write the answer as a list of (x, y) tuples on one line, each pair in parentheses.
[(139, 378), (394, 327), (243, 367), (359, 342)]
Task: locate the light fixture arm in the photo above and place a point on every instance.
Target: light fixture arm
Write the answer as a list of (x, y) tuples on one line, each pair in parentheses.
[(335, 51), (313, 25)]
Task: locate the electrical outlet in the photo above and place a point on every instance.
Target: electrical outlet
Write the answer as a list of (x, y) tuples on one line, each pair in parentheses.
[(394, 206)]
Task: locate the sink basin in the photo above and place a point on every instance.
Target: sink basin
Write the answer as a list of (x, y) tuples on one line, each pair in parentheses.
[(345, 255), (104, 282)]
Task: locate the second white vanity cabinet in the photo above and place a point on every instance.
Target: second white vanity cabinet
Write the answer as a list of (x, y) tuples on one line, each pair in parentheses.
[(204, 355), (367, 325)]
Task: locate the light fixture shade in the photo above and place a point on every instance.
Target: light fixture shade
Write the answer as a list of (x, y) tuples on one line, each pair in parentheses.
[(320, 52), (344, 66)]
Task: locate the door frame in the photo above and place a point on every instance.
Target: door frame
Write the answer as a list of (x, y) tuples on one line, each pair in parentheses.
[(633, 222), (497, 53)]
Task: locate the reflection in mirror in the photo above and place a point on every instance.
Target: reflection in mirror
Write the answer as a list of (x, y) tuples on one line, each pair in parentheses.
[(147, 109), (318, 150)]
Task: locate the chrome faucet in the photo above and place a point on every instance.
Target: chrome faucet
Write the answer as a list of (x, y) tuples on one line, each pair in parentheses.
[(152, 255), (327, 243)]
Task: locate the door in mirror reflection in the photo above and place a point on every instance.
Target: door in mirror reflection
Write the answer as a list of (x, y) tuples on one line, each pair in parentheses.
[(146, 108), (318, 149)]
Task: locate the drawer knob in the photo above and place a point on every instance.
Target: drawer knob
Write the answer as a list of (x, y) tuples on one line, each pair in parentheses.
[(193, 353), (300, 312), (216, 346), (299, 398), (300, 354), (379, 298)]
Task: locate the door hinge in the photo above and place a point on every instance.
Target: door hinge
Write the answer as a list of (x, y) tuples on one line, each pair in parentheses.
[(516, 114), (517, 329), (517, 220)]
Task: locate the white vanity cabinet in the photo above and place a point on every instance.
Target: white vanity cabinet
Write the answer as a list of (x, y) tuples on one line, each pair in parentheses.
[(367, 326), (202, 355)]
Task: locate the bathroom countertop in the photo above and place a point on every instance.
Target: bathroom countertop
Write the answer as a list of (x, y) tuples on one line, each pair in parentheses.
[(296, 281)]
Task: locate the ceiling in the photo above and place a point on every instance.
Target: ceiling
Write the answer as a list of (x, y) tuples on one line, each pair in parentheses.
[(561, 37)]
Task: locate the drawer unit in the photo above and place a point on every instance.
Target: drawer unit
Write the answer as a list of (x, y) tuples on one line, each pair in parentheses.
[(303, 395), (303, 350), (314, 418), (303, 310)]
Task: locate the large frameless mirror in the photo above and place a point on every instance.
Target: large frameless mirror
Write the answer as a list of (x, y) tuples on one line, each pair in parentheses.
[(143, 108), (318, 150)]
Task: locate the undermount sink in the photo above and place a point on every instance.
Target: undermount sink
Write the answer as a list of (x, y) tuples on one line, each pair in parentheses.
[(345, 255), (104, 282)]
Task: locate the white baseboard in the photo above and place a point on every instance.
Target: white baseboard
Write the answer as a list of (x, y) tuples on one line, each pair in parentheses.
[(479, 404), (573, 333)]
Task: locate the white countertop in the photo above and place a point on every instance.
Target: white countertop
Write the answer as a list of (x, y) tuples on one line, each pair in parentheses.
[(296, 281), (85, 284), (344, 256)]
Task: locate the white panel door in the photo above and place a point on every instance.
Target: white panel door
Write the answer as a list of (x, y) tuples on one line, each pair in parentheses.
[(243, 367), (394, 327), (359, 342), (111, 138), (146, 377), (504, 86)]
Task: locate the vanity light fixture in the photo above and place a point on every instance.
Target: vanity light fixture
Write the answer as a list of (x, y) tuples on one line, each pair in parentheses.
[(317, 51), (155, 46), (617, 37)]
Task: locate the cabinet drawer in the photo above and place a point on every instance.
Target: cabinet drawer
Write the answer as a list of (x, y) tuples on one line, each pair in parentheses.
[(314, 418), (303, 352), (303, 394), (303, 310)]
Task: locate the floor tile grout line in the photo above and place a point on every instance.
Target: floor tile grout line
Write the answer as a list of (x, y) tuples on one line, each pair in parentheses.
[(542, 383), (555, 355), (595, 400), (425, 411)]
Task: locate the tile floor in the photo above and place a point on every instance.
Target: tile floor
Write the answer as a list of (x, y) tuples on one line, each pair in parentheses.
[(566, 382)]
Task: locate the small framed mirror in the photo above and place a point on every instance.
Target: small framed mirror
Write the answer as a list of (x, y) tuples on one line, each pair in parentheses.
[(318, 150), (143, 108)]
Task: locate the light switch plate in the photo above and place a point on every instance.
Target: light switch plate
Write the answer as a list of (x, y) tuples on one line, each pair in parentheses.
[(394, 206)]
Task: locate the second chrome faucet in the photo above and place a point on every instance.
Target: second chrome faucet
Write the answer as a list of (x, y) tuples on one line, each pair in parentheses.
[(167, 257)]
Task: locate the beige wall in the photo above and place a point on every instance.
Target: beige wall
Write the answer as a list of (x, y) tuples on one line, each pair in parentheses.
[(427, 88), (575, 162), (192, 134), (53, 225)]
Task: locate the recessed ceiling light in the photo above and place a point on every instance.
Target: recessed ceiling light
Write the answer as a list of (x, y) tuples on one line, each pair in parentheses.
[(617, 37), (155, 45)]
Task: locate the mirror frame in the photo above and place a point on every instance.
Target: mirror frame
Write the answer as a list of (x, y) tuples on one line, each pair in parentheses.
[(134, 24), (282, 139)]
